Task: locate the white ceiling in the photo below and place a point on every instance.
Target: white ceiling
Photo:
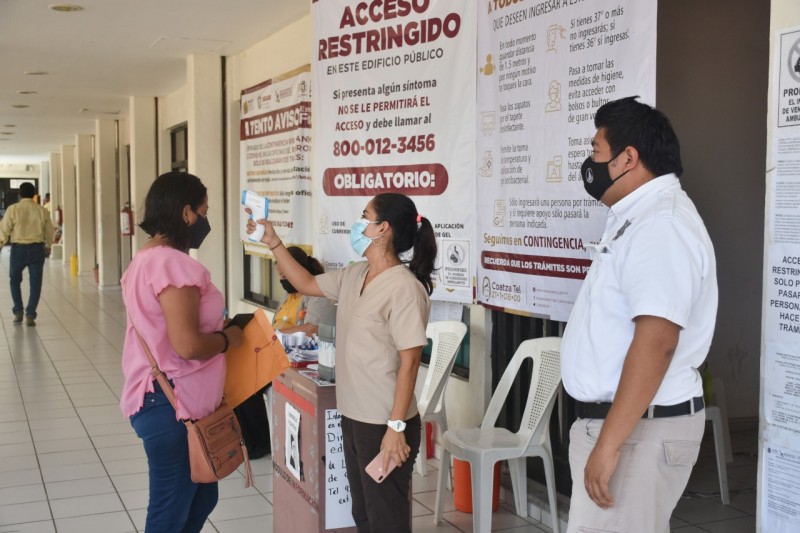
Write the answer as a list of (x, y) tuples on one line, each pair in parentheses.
[(113, 49)]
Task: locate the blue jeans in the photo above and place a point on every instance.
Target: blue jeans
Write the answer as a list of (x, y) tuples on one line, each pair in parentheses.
[(30, 256), (176, 503)]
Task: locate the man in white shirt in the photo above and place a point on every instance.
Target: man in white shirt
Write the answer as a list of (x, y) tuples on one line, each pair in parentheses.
[(641, 325)]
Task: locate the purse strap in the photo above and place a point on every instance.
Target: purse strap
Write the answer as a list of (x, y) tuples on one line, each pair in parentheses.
[(157, 373), (170, 393)]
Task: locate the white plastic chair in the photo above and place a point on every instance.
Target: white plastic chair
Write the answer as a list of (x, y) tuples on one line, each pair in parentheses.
[(447, 336), (717, 414), (486, 445)]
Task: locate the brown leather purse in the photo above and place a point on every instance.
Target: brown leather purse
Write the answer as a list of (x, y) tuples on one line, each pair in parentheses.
[(216, 445)]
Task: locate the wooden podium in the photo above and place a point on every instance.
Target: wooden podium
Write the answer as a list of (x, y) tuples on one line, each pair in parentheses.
[(310, 488)]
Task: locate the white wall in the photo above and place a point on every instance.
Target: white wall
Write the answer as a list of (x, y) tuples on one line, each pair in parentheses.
[(144, 166), (10, 170), (284, 51), (205, 145), (173, 110)]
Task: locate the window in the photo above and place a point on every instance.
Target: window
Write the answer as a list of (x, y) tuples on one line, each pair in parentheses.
[(261, 281), (179, 142)]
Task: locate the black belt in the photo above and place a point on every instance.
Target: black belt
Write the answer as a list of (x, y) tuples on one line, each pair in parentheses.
[(600, 409), (27, 243)]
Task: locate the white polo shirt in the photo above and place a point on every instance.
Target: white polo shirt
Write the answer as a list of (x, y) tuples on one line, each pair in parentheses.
[(655, 258)]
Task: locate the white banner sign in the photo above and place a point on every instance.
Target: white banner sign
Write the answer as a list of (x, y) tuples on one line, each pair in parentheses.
[(275, 133), (394, 90), (544, 69), (779, 503), (782, 278), (780, 493)]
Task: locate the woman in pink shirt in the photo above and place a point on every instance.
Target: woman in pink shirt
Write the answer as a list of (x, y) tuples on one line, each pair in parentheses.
[(176, 309)]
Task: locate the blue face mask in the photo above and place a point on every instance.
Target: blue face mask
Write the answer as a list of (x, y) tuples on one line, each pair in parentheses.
[(358, 240)]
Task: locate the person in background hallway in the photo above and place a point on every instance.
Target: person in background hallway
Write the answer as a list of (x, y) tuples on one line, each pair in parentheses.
[(27, 225), (382, 313), (177, 310), (641, 326), (295, 313)]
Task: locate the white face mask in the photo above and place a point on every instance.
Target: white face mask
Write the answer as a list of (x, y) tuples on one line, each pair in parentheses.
[(358, 240)]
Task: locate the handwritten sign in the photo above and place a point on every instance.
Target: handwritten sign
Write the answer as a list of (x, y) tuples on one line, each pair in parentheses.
[(337, 487)]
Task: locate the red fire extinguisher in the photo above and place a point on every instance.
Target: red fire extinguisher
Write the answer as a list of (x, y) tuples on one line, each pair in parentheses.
[(126, 220), (59, 216)]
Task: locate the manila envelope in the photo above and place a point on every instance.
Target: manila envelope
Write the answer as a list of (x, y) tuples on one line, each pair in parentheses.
[(253, 365)]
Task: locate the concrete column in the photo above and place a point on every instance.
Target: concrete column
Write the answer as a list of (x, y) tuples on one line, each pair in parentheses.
[(70, 204), (55, 183), (84, 180), (235, 287), (204, 82), (107, 202), (44, 179), (123, 133), (144, 166)]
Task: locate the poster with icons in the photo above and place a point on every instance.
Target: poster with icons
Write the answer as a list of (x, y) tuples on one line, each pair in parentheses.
[(780, 403), (394, 90), (543, 70), (275, 155)]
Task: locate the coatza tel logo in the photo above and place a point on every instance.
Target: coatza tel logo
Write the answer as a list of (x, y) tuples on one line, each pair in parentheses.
[(487, 287)]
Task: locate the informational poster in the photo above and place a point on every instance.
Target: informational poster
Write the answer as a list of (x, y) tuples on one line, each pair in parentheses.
[(275, 133), (292, 443), (337, 488), (782, 394), (788, 97), (394, 94), (780, 500), (543, 70), (780, 459)]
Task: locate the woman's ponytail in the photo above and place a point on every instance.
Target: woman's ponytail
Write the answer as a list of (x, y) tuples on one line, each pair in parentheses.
[(422, 263), (410, 230)]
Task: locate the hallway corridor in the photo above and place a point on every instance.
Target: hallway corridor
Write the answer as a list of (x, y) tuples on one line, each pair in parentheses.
[(70, 463)]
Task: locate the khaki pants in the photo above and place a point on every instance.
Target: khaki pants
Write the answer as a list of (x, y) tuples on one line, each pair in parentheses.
[(654, 467)]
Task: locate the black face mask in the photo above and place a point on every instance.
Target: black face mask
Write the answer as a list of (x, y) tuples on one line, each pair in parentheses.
[(198, 231), (596, 179), (288, 287)]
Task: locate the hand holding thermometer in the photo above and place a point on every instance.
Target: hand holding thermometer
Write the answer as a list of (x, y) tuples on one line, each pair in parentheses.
[(259, 208)]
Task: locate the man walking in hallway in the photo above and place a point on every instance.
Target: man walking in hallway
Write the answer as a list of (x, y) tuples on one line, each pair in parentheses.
[(27, 225), (641, 326)]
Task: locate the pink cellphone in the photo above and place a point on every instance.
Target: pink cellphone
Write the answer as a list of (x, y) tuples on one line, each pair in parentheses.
[(375, 468)]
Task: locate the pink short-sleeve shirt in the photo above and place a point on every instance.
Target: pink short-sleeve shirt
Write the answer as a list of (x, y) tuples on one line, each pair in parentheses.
[(198, 384)]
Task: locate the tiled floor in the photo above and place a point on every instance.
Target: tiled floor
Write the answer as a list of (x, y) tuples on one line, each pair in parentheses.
[(69, 462)]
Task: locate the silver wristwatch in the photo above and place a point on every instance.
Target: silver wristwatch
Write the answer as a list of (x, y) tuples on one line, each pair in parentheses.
[(397, 425)]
